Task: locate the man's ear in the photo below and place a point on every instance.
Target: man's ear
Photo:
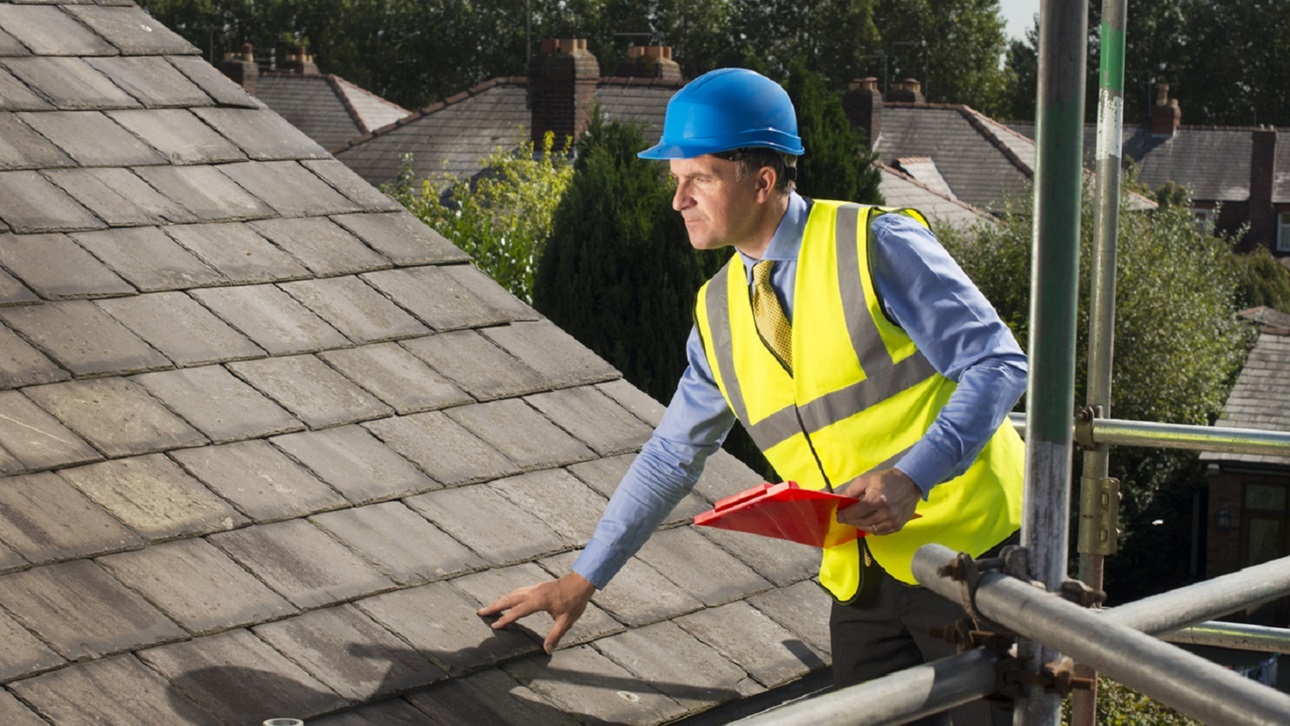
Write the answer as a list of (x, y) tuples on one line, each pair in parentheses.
[(765, 183)]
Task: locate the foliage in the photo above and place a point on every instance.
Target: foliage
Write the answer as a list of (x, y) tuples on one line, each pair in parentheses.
[(838, 163), (1263, 281), (1178, 348), (1119, 705), (619, 274), (503, 218)]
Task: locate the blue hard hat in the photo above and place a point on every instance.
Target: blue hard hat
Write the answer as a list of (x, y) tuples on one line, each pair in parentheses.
[(726, 109)]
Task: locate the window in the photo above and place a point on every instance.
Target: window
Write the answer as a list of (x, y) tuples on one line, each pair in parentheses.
[(1283, 232), (1265, 523), (1204, 219)]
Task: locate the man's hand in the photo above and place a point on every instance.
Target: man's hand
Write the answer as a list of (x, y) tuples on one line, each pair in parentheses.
[(564, 599), (887, 501)]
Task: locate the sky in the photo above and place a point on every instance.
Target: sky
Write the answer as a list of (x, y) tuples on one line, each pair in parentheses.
[(1019, 15)]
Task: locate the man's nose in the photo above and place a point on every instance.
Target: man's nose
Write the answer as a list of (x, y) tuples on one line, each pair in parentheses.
[(681, 197)]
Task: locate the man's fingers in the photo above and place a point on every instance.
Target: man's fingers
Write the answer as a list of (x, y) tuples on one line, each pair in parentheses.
[(505, 602)]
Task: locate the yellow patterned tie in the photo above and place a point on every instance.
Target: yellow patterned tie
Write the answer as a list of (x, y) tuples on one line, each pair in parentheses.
[(769, 316)]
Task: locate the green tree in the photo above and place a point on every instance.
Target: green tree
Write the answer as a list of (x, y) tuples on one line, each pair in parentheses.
[(838, 163), (503, 217), (1178, 348), (619, 274)]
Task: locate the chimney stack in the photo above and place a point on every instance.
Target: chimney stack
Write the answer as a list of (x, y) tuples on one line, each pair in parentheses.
[(906, 91), (1166, 115), (651, 61), (242, 68), (862, 104), (562, 89), (300, 62)]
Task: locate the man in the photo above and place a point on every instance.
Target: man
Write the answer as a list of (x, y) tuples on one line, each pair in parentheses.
[(870, 366)]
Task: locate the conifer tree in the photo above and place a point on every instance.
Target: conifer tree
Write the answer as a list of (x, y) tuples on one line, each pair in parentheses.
[(838, 163)]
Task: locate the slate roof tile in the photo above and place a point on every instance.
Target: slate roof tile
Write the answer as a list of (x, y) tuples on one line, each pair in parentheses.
[(559, 499), (770, 653), (289, 188), (241, 256), (322, 246), (308, 388), (30, 203), (557, 356), (154, 497), (488, 585), (456, 639), (490, 524), (216, 85), (17, 96), (588, 683), (259, 480), (349, 652), (197, 586), (638, 595), (100, 691), (69, 83), (402, 238), (489, 697), (300, 562), (178, 135), (37, 439), (116, 415), (48, 30), (351, 185), (397, 377), (356, 309), (672, 660), (53, 266), (121, 26), (151, 81), (452, 307), (219, 405), (180, 328), (91, 138), (271, 318), (21, 653), (119, 197), (802, 608), (261, 134), (783, 563), (392, 712), (355, 463), (9, 45), (47, 600), (593, 418), (204, 191), (9, 560), (23, 365), (23, 148), (45, 519), (540, 443), (441, 448), (476, 365), (266, 682), (399, 543), (700, 567)]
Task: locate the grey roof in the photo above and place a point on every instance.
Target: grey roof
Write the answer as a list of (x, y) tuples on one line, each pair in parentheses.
[(1261, 397), (456, 135), (899, 189), (1212, 161), (328, 108), (267, 442), (983, 162)]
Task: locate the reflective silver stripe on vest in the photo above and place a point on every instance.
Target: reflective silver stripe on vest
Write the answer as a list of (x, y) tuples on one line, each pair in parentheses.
[(884, 378)]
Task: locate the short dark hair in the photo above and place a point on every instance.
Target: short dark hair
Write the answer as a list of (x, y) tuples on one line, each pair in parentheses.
[(755, 157)]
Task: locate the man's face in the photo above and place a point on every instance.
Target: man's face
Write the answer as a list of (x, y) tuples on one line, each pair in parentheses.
[(719, 208)]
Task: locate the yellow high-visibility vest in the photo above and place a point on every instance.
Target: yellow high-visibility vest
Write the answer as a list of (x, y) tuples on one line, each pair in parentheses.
[(861, 394)]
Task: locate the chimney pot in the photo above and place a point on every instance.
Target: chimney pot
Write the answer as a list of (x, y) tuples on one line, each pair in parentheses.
[(654, 61), (1166, 115), (241, 68), (562, 90), (906, 91)]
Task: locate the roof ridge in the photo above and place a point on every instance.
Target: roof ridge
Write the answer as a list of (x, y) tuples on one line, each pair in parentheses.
[(906, 177), (433, 108), (974, 119)]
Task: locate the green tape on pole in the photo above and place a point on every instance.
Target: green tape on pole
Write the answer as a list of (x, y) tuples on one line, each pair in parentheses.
[(1112, 68)]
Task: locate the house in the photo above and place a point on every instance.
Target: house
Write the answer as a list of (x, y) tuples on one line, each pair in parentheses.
[(455, 136), (1234, 174), (1248, 520), (267, 442), (328, 108)]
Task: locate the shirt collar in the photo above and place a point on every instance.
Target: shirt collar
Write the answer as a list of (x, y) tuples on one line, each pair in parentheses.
[(787, 240)]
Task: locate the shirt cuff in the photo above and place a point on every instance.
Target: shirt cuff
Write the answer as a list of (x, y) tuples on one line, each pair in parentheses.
[(927, 466)]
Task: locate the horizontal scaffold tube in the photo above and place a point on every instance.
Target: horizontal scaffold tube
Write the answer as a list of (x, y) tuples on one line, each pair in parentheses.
[(1168, 674), (1118, 432)]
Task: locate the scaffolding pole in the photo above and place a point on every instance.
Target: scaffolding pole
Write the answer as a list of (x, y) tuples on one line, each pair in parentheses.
[(1059, 134), (1175, 436), (1168, 674), (1099, 493)]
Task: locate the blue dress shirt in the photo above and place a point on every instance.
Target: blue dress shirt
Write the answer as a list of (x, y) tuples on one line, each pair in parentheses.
[(923, 291)]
